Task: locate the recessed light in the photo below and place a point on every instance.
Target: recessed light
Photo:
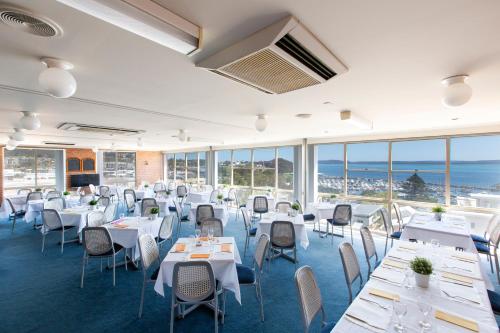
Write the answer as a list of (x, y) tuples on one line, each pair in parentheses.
[(303, 115), (327, 103), (454, 118)]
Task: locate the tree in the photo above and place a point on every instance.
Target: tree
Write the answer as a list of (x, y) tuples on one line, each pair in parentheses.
[(414, 187)]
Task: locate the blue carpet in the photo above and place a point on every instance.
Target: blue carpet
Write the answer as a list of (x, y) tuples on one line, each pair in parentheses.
[(41, 292)]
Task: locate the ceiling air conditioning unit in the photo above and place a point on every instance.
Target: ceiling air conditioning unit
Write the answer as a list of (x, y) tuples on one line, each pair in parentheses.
[(95, 129), (282, 57)]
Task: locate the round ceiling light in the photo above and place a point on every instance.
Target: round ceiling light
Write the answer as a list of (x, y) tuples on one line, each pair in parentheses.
[(139, 142), (18, 134), (30, 121), (9, 147), (56, 80), (456, 92), (303, 115), (261, 123), (12, 142)]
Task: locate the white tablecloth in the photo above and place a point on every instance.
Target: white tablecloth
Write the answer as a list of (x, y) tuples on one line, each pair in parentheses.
[(145, 193), (264, 226), (19, 202), (164, 203), (136, 226), (433, 295), (198, 197), (35, 207), (223, 265), (76, 216), (324, 210), (271, 203), (220, 212)]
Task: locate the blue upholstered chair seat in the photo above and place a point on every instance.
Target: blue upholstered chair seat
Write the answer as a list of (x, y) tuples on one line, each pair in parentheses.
[(480, 239), (309, 217), (481, 247), (328, 327), (494, 300), (171, 209), (243, 205), (253, 231), (245, 274), (333, 222), (396, 234)]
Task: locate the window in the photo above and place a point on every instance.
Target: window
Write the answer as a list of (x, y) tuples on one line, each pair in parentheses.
[(171, 167), (475, 171), (419, 170), (285, 168), (367, 165), (264, 168), (242, 167), (119, 168), (180, 167), (192, 167), (31, 168), (203, 167), (331, 168), (224, 167)]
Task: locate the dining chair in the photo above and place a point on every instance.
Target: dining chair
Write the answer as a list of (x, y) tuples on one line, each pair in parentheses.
[(283, 207), (160, 194), (213, 196), (311, 303), (146, 204), (204, 212), (53, 194), (103, 201), (252, 276), (104, 191), (98, 244), (232, 200), (57, 203), (92, 189), (342, 216), (165, 232), (307, 217), (193, 284), (159, 186), (96, 219), (492, 223), (110, 212), (399, 217), (52, 222), (14, 213), (212, 223), (250, 231), (491, 249), (150, 254), (282, 239), (260, 205), (182, 192), (370, 249), (34, 196), (130, 200), (351, 267), (23, 191), (389, 229)]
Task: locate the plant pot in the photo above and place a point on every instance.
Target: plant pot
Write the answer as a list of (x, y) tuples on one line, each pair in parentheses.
[(153, 216), (438, 216), (92, 207), (293, 213), (422, 280)]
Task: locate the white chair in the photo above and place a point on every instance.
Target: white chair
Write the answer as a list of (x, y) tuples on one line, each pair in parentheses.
[(370, 249), (214, 224), (165, 232), (52, 222), (14, 213), (351, 267), (150, 254), (110, 212), (249, 230), (96, 219), (283, 207)]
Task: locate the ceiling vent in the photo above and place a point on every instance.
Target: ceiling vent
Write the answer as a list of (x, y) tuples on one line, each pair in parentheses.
[(98, 129), (27, 22), (282, 57), (54, 143)]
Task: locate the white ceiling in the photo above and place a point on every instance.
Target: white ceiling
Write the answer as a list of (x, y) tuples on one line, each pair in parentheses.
[(397, 53)]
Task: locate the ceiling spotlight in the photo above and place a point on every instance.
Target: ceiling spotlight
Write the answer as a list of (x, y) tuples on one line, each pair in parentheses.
[(456, 92), (182, 135), (303, 115), (18, 134), (30, 121), (139, 142), (355, 120), (261, 123), (56, 80), (8, 147), (12, 142)]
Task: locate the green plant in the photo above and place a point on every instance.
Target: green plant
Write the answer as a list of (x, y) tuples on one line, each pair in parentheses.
[(169, 192), (154, 210), (438, 209), (295, 206), (220, 196), (38, 190), (66, 193), (421, 266), (92, 202), (146, 185), (332, 196)]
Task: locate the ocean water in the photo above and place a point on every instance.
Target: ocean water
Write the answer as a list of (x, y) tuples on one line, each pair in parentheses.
[(474, 174)]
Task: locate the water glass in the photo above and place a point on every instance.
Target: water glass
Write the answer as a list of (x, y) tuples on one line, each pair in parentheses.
[(425, 309), (210, 234), (400, 310), (435, 243), (408, 281)]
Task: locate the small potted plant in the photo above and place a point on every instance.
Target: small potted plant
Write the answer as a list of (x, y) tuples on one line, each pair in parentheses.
[(153, 213), (66, 194), (169, 192), (146, 186), (438, 212), (295, 209), (92, 204), (332, 198), (423, 270), (220, 197), (269, 191), (38, 190)]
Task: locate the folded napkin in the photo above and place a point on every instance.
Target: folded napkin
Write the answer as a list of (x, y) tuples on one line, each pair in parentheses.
[(203, 239), (180, 247), (395, 264), (200, 256), (369, 315), (121, 226), (464, 256), (401, 255), (454, 291), (389, 275), (383, 294), (457, 277), (459, 321), (408, 246), (226, 248)]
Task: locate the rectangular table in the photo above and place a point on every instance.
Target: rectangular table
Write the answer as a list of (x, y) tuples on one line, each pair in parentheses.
[(77, 216), (223, 264), (264, 226), (164, 204), (198, 197), (361, 213), (220, 212), (443, 295)]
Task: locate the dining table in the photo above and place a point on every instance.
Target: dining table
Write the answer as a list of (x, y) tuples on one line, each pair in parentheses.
[(198, 197), (456, 299), (264, 226), (35, 207), (18, 201)]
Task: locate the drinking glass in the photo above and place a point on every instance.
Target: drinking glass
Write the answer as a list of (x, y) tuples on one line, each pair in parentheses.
[(210, 234), (425, 309), (408, 279), (400, 310), (434, 243), (197, 233)]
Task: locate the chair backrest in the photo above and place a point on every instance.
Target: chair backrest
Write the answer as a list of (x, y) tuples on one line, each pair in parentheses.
[(51, 219), (85, 199), (159, 186), (97, 240), (166, 227), (246, 219), (148, 250), (492, 224), (182, 190), (104, 191), (11, 205), (232, 195), (342, 214), (309, 295), (34, 196), (96, 219), (110, 212), (215, 224), (54, 194), (104, 201), (495, 237), (368, 244), (146, 204), (387, 221), (161, 194), (282, 234), (260, 204), (130, 198), (23, 191), (283, 207), (397, 212), (208, 188), (350, 263), (92, 188), (178, 210), (301, 211), (193, 281), (204, 212), (56, 203), (213, 195), (261, 250)]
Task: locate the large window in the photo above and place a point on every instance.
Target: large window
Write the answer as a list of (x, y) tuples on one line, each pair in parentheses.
[(31, 168), (475, 171), (367, 166), (419, 170), (171, 167), (187, 167), (192, 167), (180, 167), (224, 167), (264, 168), (285, 168), (331, 168), (203, 168), (242, 167), (119, 168)]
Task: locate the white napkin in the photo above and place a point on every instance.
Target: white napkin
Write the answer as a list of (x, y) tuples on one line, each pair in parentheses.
[(461, 267), (454, 290), (401, 255), (389, 275), (370, 315)]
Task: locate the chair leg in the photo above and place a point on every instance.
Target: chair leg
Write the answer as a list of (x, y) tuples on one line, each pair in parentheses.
[(172, 310), (491, 262), (114, 270), (13, 224), (352, 241), (216, 313), (496, 264), (125, 259), (83, 271), (62, 242), (43, 242), (142, 298), (261, 300), (386, 241), (246, 246)]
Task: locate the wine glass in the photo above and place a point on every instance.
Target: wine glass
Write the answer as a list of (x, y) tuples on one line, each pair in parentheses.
[(408, 279), (425, 309), (400, 310), (197, 233), (210, 234)]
